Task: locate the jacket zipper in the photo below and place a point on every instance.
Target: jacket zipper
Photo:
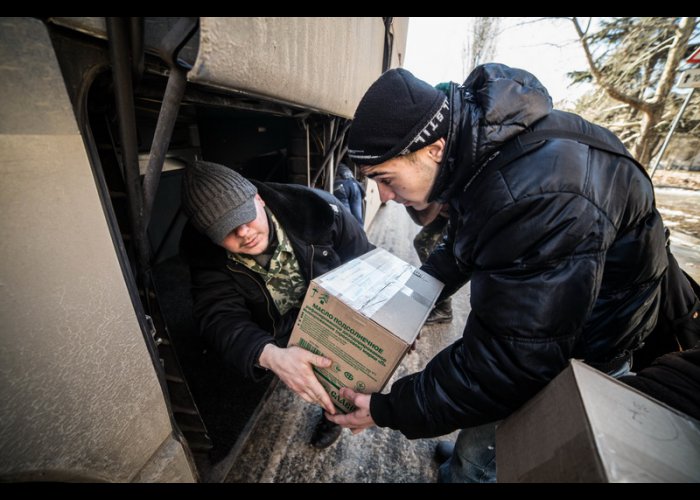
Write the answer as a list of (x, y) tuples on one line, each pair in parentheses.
[(264, 292), (482, 167), (311, 265)]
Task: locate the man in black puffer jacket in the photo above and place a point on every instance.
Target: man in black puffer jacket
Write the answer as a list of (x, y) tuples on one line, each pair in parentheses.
[(562, 243), (253, 248)]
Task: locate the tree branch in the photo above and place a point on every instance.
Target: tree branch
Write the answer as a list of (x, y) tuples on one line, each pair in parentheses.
[(598, 75), (680, 43)]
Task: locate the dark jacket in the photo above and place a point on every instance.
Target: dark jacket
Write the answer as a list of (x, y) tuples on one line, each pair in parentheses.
[(674, 379), (564, 248), (232, 307), (349, 191)]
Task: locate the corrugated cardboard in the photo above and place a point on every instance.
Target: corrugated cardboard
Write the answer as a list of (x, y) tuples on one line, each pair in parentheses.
[(588, 427), (364, 315)]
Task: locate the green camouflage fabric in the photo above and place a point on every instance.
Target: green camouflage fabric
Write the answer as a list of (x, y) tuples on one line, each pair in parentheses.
[(283, 279), (429, 237)]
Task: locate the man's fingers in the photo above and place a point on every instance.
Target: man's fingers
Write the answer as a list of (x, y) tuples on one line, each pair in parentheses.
[(350, 420), (319, 361), (348, 394), (318, 396), (325, 401)]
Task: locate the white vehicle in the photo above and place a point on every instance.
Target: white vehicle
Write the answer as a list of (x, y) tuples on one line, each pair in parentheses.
[(101, 375)]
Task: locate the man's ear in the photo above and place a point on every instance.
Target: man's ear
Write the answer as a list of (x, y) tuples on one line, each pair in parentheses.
[(257, 197), (436, 150)]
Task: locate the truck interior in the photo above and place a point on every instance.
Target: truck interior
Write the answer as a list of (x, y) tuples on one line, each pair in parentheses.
[(142, 122)]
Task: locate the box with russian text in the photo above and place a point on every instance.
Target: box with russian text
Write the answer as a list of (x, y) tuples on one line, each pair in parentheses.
[(364, 316)]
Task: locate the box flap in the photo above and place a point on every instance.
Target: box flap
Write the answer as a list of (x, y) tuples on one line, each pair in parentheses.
[(548, 438), (638, 438)]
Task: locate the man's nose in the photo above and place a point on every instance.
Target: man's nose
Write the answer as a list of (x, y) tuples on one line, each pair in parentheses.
[(385, 192), (242, 230)]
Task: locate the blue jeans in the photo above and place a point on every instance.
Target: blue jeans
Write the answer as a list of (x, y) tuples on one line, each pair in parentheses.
[(474, 456)]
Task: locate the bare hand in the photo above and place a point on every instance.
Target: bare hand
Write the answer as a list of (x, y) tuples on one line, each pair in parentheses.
[(360, 419), (294, 366)]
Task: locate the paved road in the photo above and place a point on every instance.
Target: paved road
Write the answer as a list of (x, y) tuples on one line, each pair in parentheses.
[(680, 209)]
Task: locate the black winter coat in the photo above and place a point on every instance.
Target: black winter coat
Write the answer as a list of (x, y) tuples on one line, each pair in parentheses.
[(564, 248), (232, 308), (673, 378)]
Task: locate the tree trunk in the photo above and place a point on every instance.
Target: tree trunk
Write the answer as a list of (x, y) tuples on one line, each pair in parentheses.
[(648, 137), (652, 109)]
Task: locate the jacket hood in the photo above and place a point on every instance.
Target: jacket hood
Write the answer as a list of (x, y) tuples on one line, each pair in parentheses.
[(493, 105)]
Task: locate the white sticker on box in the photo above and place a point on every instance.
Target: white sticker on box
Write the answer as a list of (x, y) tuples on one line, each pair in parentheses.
[(367, 288)]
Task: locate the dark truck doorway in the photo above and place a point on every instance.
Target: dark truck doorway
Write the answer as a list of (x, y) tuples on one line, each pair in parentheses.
[(118, 73), (263, 140)]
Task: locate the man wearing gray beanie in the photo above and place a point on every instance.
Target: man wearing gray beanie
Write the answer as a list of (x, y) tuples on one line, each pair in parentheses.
[(551, 220), (253, 249)]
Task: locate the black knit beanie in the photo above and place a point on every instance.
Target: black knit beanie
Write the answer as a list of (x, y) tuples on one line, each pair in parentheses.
[(398, 114), (216, 199)]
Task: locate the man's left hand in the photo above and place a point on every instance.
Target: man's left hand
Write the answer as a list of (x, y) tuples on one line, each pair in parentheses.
[(360, 419)]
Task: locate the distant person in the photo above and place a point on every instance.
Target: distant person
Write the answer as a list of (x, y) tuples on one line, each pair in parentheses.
[(253, 248), (433, 219), (551, 220), (349, 191)]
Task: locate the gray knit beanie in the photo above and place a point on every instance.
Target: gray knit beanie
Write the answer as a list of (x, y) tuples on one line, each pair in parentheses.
[(217, 199)]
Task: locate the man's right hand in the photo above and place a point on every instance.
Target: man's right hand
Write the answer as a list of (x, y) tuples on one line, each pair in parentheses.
[(293, 365)]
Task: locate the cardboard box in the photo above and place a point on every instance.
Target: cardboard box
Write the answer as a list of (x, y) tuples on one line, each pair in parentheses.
[(364, 315), (588, 427)]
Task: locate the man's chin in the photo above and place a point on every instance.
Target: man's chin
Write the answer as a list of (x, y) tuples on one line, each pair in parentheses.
[(254, 251), (416, 205)]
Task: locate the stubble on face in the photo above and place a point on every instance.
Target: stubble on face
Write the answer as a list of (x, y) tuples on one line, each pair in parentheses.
[(406, 179)]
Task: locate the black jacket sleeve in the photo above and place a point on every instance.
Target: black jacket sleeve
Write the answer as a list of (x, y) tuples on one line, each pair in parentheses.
[(225, 322), (219, 310), (534, 283), (674, 379)]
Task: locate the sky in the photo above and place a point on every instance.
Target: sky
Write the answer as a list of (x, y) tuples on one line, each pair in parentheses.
[(546, 48)]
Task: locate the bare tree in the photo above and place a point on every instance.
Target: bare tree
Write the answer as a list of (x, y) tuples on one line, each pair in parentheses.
[(480, 45), (636, 64)]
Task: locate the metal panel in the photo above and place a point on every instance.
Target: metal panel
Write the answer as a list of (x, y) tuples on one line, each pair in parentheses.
[(325, 64), (94, 26), (319, 63), (79, 396)]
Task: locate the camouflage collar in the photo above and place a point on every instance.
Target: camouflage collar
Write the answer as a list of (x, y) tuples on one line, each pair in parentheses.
[(283, 279)]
